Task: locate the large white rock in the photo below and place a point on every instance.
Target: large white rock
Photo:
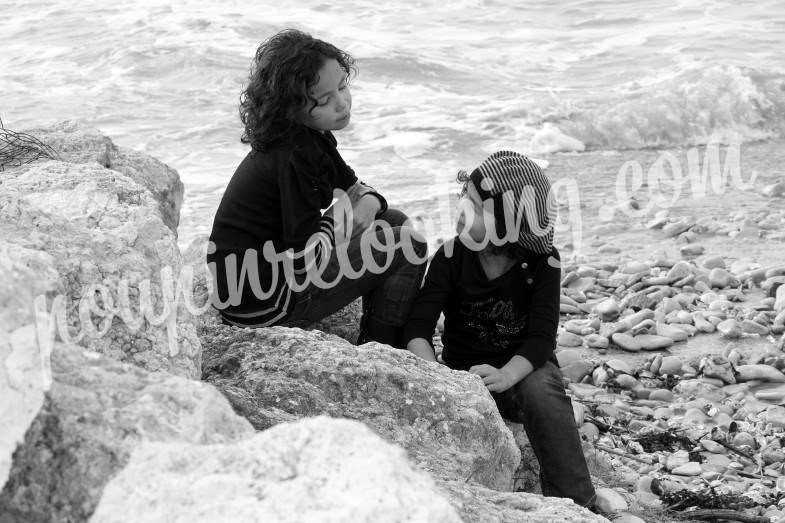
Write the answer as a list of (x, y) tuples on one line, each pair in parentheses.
[(95, 413), (318, 469), (610, 501), (24, 362), (107, 240), (79, 143), (445, 419)]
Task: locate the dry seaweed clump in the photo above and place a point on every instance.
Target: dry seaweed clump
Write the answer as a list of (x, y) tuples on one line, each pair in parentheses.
[(17, 148)]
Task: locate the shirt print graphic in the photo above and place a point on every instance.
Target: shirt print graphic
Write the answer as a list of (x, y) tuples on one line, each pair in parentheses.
[(497, 322)]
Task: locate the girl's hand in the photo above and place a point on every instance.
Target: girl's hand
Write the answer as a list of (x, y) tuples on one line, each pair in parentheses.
[(364, 212), (496, 380)]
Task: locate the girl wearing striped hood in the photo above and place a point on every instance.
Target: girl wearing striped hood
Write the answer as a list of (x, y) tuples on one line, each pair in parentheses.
[(498, 284)]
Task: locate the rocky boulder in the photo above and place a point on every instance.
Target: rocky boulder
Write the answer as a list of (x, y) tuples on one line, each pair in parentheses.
[(78, 143), (318, 469), (446, 420), (478, 503), (26, 273), (95, 413), (118, 263)]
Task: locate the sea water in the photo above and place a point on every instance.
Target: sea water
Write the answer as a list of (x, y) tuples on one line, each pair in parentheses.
[(583, 86)]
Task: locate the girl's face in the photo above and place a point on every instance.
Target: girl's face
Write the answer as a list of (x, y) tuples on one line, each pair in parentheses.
[(472, 211), (333, 100)]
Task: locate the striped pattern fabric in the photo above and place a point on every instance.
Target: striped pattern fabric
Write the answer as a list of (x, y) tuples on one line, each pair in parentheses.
[(319, 245), (517, 183)]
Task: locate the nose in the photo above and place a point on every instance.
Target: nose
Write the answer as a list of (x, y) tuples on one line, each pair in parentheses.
[(344, 102)]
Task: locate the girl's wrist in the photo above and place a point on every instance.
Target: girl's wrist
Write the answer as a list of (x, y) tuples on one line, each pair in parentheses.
[(379, 200)]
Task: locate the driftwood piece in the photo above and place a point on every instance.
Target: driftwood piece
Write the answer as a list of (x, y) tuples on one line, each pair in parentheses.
[(721, 514), (617, 452)]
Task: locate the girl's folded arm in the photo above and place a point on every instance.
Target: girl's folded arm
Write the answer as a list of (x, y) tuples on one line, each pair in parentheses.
[(430, 302)]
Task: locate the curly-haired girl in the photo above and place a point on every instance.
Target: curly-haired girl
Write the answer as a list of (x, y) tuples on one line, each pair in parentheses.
[(297, 94)]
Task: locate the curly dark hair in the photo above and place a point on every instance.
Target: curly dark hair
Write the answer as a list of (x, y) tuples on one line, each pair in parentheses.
[(511, 250), (285, 67)]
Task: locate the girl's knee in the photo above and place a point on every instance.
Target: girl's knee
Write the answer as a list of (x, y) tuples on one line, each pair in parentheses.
[(543, 382), (393, 217), (407, 243)]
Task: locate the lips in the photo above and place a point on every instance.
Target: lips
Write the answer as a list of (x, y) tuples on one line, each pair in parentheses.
[(346, 117)]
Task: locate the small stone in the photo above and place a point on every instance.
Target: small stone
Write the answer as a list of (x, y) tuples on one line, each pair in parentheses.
[(775, 416), (619, 366), (716, 461), (653, 341), (743, 439), (608, 309), (753, 327), (721, 278), (680, 271), (670, 365), (609, 501), (663, 413), (713, 262), (669, 305), (669, 331), (599, 376), (774, 190), (661, 395), (576, 370), (596, 341), (626, 342), (759, 372), (729, 328), (712, 446), (688, 469), (567, 356), (693, 249), (644, 483), (702, 324), (776, 395), (626, 381), (642, 328), (772, 456), (579, 412), (610, 411), (584, 390), (654, 368), (779, 302), (579, 327), (675, 228), (698, 387), (582, 284), (694, 415), (585, 271), (720, 305), (568, 339), (676, 459), (648, 500), (635, 267), (565, 308), (589, 431)]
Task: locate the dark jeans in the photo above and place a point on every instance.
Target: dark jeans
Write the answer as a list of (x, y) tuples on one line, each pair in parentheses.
[(387, 297), (540, 403)]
